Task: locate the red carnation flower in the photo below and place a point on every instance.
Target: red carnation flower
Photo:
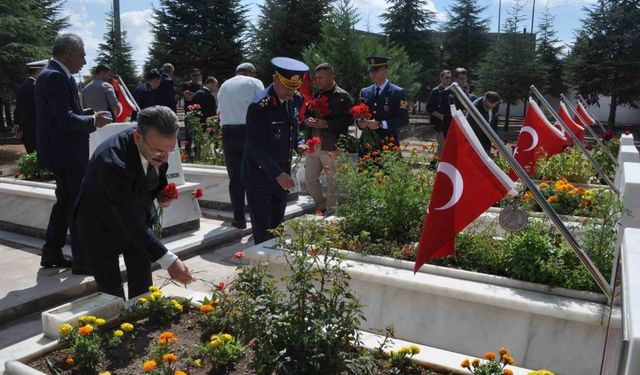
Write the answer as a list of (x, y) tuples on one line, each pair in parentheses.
[(193, 107), (360, 112), (320, 105), (220, 286), (169, 192), (183, 156), (311, 143), (238, 255), (198, 193)]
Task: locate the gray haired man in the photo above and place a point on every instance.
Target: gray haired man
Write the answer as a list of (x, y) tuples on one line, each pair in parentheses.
[(126, 174)]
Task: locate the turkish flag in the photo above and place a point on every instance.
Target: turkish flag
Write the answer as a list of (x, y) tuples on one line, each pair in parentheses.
[(125, 107), (305, 90), (537, 137), (585, 115), (467, 183), (573, 126)]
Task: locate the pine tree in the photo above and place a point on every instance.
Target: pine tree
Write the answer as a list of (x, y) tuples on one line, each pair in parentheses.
[(509, 66), (466, 40), (27, 33), (548, 53), (118, 54), (408, 23), (606, 55), (347, 50), (204, 34), (285, 28)]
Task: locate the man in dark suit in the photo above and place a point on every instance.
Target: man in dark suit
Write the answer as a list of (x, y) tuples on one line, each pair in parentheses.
[(386, 102), (145, 94), (205, 99), (272, 134), (25, 111), (487, 105), (166, 92), (63, 145), (433, 107), (115, 209), (447, 98)]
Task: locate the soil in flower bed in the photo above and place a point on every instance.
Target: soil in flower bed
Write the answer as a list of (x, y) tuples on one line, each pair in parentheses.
[(128, 361)]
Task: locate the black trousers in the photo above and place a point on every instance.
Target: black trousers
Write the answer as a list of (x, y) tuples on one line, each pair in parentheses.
[(266, 208), (67, 188), (106, 270), (233, 139)]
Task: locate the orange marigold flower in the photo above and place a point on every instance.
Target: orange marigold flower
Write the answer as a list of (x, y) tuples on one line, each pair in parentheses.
[(85, 330), (167, 338), (465, 364), (215, 302), (475, 362), (70, 361), (527, 196), (149, 366), (580, 190), (507, 372), (396, 149), (490, 356), (385, 148), (503, 351), (553, 199), (206, 308), (169, 358), (543, 185), (414, 150), (507, 359), (178, 372)]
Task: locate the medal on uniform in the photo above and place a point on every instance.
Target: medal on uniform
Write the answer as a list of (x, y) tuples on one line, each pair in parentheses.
[(386, 104)]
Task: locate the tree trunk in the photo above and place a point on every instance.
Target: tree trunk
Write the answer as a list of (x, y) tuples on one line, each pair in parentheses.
[(506, 117), (611, 122)]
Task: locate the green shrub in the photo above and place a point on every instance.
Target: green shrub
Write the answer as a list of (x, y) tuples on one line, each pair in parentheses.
[(29, 168), (571, 164)]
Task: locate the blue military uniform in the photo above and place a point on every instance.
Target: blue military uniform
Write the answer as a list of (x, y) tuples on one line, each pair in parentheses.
[(387, 104), (272, 135)]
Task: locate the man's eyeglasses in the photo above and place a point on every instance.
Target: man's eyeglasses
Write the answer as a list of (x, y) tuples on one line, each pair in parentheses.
[(156, 153), (446, 77)]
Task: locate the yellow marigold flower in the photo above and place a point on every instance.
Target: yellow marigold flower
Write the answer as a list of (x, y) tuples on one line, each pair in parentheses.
[(206, 308), (85, 330), (571, 194), (169, 358), (404, 351), (490, 356), (378, 174), (465, 363), (215, 343), (178, 372), (475, 362), (118, 333), (70, 361), (178, 307), (198, 362), (553, 199), (127, 327), (541, 372), (100, 322), (543, 185), (152, 297), (153, 288), (157, 294), (225, 337), (508, 360), (105, 373), (142, 301), (503, 351), (65, 329), (507, 372), (149, 366), (414, 349)]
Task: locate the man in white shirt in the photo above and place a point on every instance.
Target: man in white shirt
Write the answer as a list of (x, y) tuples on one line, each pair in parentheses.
[(234, 98)]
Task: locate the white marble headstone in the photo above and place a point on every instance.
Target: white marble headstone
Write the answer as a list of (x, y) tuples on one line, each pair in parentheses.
[(174, 173)]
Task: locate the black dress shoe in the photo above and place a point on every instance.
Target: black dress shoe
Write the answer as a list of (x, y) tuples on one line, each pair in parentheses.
[(55, 262), (239, 224), (81, 269)]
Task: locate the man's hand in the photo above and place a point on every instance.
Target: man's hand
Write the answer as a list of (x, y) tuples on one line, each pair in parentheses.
[(285, 181), (316, 123), (180, 273), (302, 149), (362, 124), (372, 124), (164, 202), (103, 118)]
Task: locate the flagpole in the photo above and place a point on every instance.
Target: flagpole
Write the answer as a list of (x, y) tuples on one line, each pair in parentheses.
[(576, 141), (126, 91), (593, 133), (584, 104), (537, 195)]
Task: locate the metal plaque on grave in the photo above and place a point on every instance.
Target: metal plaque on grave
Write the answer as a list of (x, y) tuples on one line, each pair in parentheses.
[(513, 219)]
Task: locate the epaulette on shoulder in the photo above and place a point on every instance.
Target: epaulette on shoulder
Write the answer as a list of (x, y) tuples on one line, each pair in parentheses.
[(264, 102)]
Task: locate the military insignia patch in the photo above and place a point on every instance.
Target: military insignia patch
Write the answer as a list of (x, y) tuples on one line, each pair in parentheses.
[(264, 102), (404, 104)]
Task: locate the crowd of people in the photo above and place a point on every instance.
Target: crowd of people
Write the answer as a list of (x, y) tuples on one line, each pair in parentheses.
[(261, 128)]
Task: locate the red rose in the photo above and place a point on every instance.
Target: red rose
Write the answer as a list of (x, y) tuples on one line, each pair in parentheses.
[(198, 193), (169, 192)]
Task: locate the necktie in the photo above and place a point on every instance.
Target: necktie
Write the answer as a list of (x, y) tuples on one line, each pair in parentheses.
[(377, 92), (152, 177)]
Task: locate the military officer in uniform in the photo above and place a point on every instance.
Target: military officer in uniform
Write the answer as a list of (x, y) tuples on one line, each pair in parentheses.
[(25, 112), (272, 135), (386, 101)]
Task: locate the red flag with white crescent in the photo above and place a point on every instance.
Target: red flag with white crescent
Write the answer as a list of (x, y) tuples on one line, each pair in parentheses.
[(573, 126), (467, 183), (125, 107), (585, 115), (537, 136)]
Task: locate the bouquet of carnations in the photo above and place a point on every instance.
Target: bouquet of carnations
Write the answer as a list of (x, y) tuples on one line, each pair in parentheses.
[(167, 193), (369, 139)]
